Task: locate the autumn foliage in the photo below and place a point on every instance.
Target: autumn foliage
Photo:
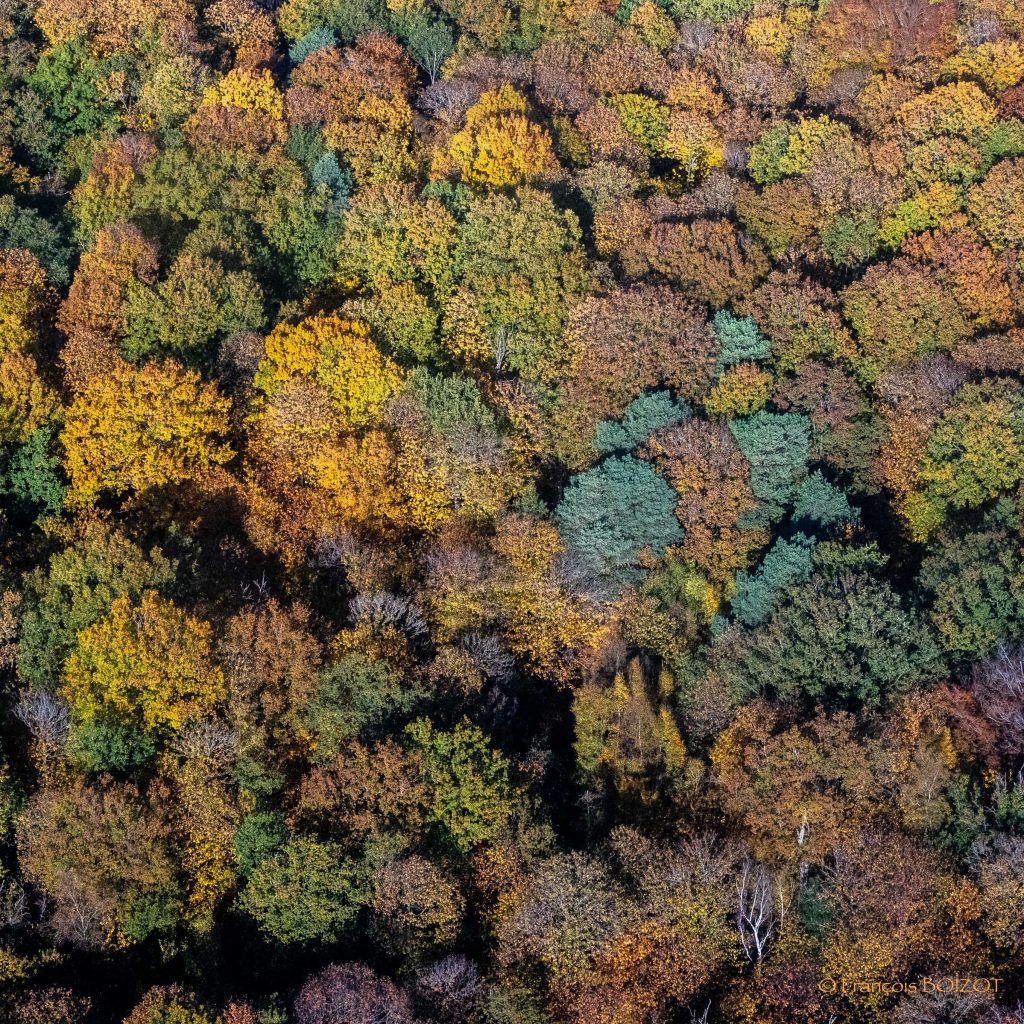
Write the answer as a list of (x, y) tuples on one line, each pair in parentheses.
[(511, 513)]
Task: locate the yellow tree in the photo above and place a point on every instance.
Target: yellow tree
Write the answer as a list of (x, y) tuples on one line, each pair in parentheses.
[(137, 429), (339, 357), (319, 460), (148, 664), (25, 299), (499, 145)]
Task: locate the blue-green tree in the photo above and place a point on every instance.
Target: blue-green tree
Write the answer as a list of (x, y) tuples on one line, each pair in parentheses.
[(643, 416), (786, 564), (777, 446), (740, 340), (612, 513), (819, 503)]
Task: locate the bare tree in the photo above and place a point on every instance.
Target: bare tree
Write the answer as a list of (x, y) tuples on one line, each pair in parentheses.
[(501, 344), (381, 609), (998, 686), (760, 909), (257, 590), (702, 1017), (207, 741), (694, 38), (80, 917), (451, 987), (13, 903), (488, 654), (46, 716)]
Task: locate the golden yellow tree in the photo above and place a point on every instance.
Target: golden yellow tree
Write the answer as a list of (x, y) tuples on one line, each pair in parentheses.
[(499, 145), (136, 429), (337, 355), (25, 300)]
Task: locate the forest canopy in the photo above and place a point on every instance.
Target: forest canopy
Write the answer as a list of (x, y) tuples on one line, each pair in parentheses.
[(511, 512)]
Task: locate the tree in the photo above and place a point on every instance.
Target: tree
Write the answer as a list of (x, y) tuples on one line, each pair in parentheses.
[(32, 477), (625, 733), (499, 145), (715, 501), (75, 589), (91, 315), (786, 564), (543, 621), (25, 300), (821, 503), (470, 797), (770, 159), (355, 698), (739, 339), (271, 664), (621, 345), (797, 791), (643, 416), (845, 429), (740, 391), (777, 446), (708, 259), (146, 665), (972, 581), (306, 892), (568, 911), (994, 205), (26, 403), (336, 355), (360, 96), (169, 1006), (799, 318), (522, 268), (196, 306), (758, 910), (104, 857), (428, 41), (881, 890), (137, 429), (784, 216), (999, 879), (975, 451), (611, 515), (847, 641), (418, 909), (351, 992), (899, 311)]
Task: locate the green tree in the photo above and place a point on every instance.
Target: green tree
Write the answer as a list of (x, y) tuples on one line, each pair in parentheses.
[(522, 267), (611, 514), (355, 698), (975, 585), (196, 306), (975, 452), (31, 476), (470, 798), (305, 892), (777, 446), (844, 641), (75, 589)]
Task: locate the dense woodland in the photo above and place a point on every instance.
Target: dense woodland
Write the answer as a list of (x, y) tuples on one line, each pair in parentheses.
[(513, 512)]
